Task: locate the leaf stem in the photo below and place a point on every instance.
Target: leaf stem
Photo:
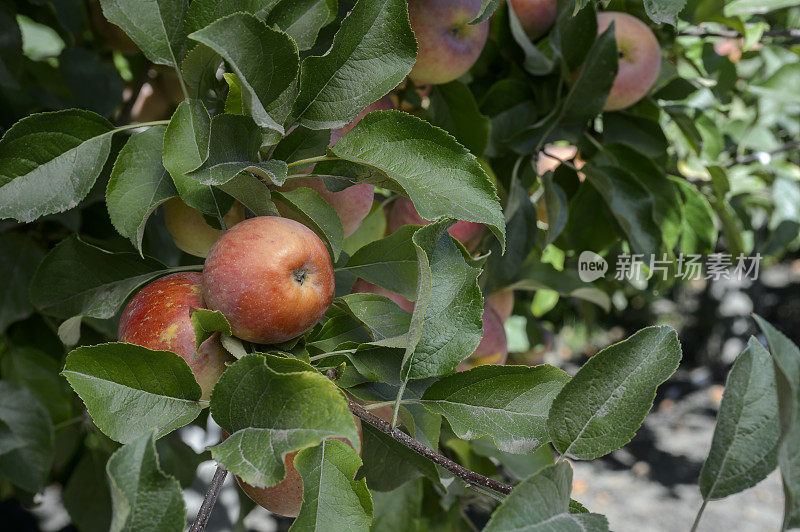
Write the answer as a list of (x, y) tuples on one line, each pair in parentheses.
[(209, 501), (312, 160), (183, 84), (330, 354), (141, 124), (699, 515), (471, 478)]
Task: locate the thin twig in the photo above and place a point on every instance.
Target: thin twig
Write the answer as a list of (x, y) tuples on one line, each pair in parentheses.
[(733, 34), (214, 488), (753, 157), (470, 477)]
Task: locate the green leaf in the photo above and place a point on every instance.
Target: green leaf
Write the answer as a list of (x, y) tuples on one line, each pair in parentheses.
[(380, 315), (38, 372), (265, 62), (143, 497), (541, 502), (488, 7), (139, 183), (302, 19), (536, 275), (698, 232), (389, 464), (232, 148), (317, 213), (251, 192), (302, 408), (185, 149), (206, 322), (747, 436), (28, 463), (664, 11), (49, 162), (332, 500), (509, 403), (401, 505), (556, 204), (199, 69), (203, 12), (390, 262), (454, 109), (589, 93), (446, 323), (178, 459), (130, 390), (375, 45), (302, 143), (86, 494), (156, 26), (98, 284), (749, 7), (441, 177), (786, 360), (19, 257), (601, 408)]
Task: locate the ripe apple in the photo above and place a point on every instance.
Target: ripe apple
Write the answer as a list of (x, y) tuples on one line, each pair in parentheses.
[(639, 59), (158, 318), (285, 497), (502, 303), (362, 286), (493, 348), (271, 277), (448, 44), (535, 16), (189, 229), (403, 213)]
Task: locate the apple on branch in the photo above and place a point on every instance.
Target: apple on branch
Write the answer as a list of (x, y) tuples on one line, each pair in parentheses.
[(535, 16)]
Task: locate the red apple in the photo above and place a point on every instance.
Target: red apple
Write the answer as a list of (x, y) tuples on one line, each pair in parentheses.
[(493, 348), (158, 318), (189, 229), (271, 277), (362, 286), (535, 16), (448, 44), (639, 59), (403, 213), (502, 303), (285, 497)]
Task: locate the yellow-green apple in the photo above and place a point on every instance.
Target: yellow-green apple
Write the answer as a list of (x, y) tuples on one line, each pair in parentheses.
[(535, 16), (502, 302), (402, 213), (493, 348), (639, 59), (271, 277), (159, 318), (362, 286), (285, 497), (448, 44), (189, 229)]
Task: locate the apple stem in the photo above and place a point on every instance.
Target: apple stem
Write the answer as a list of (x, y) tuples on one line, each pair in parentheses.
[(209, 501), (471, 478)]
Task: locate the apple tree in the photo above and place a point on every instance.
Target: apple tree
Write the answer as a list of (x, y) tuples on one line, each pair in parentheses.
[(300, 227)]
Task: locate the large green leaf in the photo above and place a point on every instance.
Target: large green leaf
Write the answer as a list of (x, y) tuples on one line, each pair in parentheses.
[(233, 148), (272, 406), (98, 284), (541, 502), (204, 12), (86, 494), (454, 109), (26, 464), (375, 46), (664, 11), (156, 26), (49, 162), (332, 500), (380, 315), (130, 390), (389, 464), (317, 213), (401, 505), (604, 404), (746, 439), (142, 495), (441, 177), (302, 19), (786, 360), (508, 403), (139, 183), (265, 62), (19, 256), (38, 372)]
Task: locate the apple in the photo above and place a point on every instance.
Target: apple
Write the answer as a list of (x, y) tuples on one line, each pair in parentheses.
[(362, 286), (189, 229), (384, 104), (502, 303), (271, 277), (639, 59), (448, 44), (158, 318), (285, 497), (493, 348), (535, 16), (551, 156), (403, 213)]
